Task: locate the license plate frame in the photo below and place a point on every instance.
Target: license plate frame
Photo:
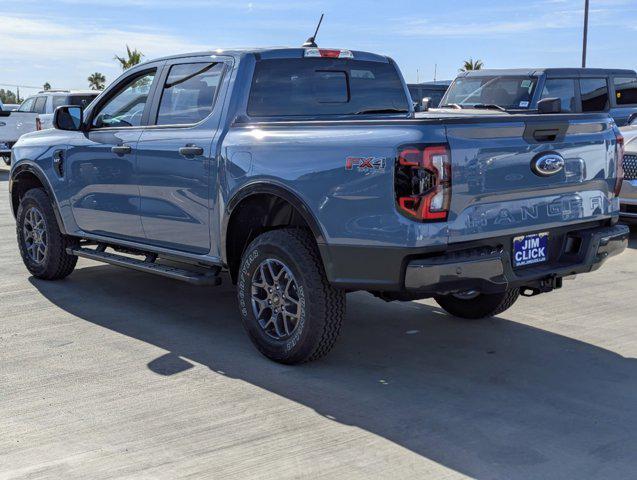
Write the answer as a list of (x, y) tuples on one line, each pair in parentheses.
[(530, 249)]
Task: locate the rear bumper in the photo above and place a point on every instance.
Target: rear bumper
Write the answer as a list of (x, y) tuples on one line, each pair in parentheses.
[(490, 269), (484, 264)]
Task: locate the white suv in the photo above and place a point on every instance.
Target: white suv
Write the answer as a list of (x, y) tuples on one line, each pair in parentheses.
[(36, 113), (58, 98)]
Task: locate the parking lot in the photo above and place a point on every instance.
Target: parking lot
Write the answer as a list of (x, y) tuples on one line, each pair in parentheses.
[(115, 374)]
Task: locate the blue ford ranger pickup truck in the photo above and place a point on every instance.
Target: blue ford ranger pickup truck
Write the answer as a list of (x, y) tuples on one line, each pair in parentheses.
[(306, 174)]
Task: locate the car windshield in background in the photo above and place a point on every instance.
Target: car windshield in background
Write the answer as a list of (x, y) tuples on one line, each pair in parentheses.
[(324, 86), (504, 91), (76, 100)]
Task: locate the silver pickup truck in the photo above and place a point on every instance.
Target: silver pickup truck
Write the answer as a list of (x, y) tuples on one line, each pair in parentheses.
[(12, 126)]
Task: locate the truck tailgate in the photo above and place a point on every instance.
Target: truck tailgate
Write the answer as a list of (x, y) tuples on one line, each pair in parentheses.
[(496, 190)]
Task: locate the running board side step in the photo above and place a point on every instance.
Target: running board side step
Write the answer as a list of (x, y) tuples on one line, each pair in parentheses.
[(192, 277)]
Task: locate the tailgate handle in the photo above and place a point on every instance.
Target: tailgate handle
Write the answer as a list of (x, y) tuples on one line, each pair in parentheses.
[(549, 135)]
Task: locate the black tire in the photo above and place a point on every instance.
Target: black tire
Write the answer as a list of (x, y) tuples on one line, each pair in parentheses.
[(481, 306), (55, 263), (321, 307)]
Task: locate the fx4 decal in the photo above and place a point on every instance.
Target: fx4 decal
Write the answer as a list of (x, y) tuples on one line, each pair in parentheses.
[(366, 164)]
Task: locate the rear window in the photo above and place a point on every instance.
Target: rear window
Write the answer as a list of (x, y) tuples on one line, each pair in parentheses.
[(594, 92), (76, 100), (324, 86), (626, 90)]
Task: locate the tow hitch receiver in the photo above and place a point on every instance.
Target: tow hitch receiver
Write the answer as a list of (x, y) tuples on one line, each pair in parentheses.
[(544, 286)]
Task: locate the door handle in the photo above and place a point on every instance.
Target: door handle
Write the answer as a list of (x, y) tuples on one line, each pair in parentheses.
[(191, 151), (121, 149)]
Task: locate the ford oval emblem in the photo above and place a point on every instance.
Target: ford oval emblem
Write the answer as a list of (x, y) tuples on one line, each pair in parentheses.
[(547, 164)]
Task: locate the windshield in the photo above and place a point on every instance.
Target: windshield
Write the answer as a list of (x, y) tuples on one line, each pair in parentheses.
[(325, 86), (505, 91), (27, 105)]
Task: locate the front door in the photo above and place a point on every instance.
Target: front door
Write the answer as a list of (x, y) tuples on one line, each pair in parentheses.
[(176, 157), (102, 177)]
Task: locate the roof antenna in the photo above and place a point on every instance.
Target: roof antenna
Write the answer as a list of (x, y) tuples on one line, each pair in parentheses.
[(311, 42)]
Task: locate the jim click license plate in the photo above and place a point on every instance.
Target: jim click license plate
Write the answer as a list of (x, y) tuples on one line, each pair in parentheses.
[(530, 249)]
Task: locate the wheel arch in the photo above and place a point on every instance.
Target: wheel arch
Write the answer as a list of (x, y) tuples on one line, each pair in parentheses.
[(248, 196), (25, 177)]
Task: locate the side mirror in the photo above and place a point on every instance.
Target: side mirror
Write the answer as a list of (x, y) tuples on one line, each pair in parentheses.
[(425, 103), (549, 105), (68, 118), (632, 119)]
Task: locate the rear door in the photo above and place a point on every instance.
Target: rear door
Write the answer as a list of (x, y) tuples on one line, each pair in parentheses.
[(176, 155), (497, 189), (101, 166)]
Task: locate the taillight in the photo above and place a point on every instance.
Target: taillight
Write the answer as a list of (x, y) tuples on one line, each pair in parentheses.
[(619, 163), (423, 182), (38, 124)]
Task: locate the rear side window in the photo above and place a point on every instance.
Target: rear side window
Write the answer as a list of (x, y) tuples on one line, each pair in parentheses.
[(325, 86), (626, 90), (77, 100), (189, 93), (40, 105), (594, 93), (562, 88)]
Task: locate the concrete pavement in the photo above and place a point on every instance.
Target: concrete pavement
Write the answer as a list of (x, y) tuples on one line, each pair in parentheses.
[(115, 374)]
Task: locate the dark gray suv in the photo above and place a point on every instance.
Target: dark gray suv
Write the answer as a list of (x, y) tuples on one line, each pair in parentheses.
[(585, 90)]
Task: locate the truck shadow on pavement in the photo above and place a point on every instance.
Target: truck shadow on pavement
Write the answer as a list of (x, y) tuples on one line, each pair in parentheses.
[(632, 241), (490, 399)]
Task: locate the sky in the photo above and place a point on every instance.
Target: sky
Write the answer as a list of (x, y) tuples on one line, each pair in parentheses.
[(64, 41)]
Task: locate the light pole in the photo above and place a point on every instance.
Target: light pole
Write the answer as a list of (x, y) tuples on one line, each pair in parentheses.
[(585, 34)]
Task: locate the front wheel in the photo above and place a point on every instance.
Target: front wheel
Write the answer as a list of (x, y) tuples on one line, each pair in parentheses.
[(42, 244), (474, 305), (290, 311)]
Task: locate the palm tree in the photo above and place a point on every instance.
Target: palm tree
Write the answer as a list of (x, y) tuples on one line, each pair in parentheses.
[(96, 81), (46, 86), (472, 65), (134, 57)]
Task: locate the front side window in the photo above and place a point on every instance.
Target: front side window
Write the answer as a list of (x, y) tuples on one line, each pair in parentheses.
[(325, 86), (27, 105), (126, 108), (594, 93), (189, 93), (562, 88), (509, 92), (626, 90)]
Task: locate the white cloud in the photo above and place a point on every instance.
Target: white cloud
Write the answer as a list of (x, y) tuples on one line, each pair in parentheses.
[(567, 16), (72, 50), (36, 39)]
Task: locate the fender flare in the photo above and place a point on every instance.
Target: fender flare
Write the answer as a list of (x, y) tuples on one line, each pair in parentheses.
[(23, 168), (277, 190)]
